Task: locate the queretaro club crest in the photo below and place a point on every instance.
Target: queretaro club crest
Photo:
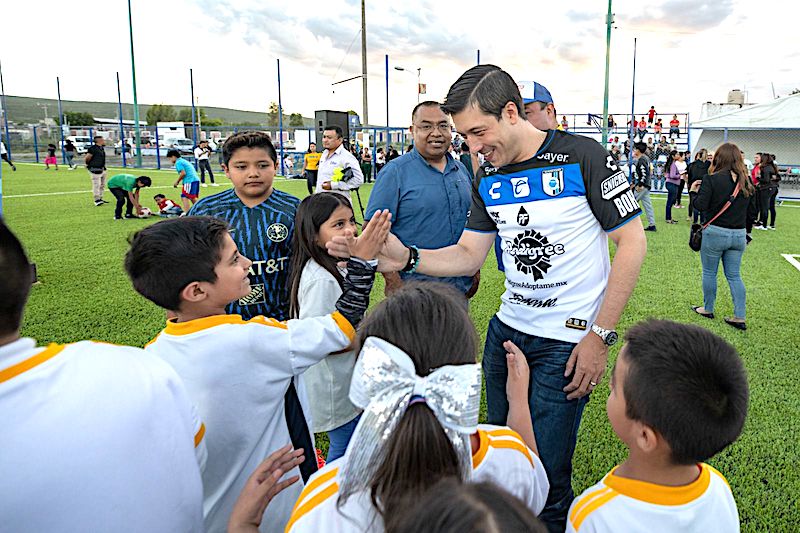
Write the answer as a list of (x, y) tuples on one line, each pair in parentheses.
[(553, 181)]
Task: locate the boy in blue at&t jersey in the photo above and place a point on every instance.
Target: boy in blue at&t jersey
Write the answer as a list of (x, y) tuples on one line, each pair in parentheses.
[(186, 175)]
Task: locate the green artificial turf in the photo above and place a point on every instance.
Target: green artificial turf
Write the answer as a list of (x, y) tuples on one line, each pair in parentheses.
[(83, 293)]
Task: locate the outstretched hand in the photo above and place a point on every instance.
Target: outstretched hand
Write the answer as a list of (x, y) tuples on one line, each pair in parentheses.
[(372, 238), (261, 487), (392, 257)]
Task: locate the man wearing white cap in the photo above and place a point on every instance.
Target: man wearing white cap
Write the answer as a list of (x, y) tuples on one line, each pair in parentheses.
[(539, 107)]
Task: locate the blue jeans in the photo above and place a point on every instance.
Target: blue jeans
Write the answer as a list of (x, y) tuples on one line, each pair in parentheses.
[(728, 245), (555, 419), (339, 439), (672, 195)]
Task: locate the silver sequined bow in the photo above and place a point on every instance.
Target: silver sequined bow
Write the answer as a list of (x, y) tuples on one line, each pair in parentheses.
[(384, 380)]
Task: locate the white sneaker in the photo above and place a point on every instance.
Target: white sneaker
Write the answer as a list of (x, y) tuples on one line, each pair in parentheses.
[(204, 184), (215, 184)]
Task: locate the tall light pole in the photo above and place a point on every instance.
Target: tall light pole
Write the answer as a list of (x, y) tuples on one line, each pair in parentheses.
[(609, 22), (419, 74), (364, 108), (280, 119), (135, 100), (61, 120), (387, 102)]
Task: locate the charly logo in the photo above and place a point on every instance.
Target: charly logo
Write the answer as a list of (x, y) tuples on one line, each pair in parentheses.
[(523, 217), (277, 232), (532, 252), (553, 181)]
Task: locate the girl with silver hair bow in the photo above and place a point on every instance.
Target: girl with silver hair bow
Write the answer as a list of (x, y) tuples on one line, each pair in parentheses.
[(420, 386)]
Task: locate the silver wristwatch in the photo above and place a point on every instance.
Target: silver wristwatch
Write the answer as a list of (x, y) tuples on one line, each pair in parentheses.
[(609, 336)]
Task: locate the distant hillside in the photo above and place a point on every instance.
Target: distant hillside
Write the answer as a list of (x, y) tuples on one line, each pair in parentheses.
[(25, 110)]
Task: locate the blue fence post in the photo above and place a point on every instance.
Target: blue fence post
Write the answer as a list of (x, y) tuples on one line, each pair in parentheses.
[(688, 134), (61, 122), (36, 143), (725, 135), (158, 151)]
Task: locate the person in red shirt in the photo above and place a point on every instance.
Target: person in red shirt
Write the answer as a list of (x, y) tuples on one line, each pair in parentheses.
[(641, 129), (651, 115), (658, 127), (673, 127), (166, 207)]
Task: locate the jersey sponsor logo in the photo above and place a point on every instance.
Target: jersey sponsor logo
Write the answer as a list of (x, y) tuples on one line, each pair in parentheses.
[(532, 302), (536, 286), (626, 204), (521, 187), (577, 323), (495, 215), (256, 296), (270, 266), (532, 252), (611, 163), (523, 217), (614, 185), (277, 232), (553, 181), (493, 193), (554, 158)]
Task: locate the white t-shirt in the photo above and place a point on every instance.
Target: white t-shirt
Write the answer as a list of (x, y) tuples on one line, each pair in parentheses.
[(620, 504), (327, 384), (237, 373), (341, 158), (200, 153), (502, 458), (96, 437), (681, 166), (2, 149)]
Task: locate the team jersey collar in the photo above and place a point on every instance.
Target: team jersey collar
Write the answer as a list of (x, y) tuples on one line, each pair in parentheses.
[(199, 324), (524, 165), (660, 494)]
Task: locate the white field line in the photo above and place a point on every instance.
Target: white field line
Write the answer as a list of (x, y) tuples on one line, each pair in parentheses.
[(793, 259)]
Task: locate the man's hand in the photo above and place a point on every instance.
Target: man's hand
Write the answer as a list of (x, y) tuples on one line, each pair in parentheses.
[(392, 257), (326, 185), (588, 361), (261, 487), (519, 373), (392, 283)]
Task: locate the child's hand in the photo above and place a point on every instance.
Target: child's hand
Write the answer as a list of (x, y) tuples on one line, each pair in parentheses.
[(518, 373), (261, 487), (372, 239)]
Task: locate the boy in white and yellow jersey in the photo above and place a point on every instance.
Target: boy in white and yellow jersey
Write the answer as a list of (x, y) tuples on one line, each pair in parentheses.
[(678, 397), (95, 437), (237, 371)]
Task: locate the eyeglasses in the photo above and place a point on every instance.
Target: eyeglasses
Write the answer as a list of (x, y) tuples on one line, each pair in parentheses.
[(444, 127)]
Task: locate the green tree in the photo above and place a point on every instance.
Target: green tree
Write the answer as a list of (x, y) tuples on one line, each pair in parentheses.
[(212, 122), (185, 114), (295, 119), (160, 113), (272, 114), (77, 118)]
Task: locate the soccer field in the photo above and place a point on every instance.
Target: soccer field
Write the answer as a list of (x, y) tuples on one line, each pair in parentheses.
[(84, 294)]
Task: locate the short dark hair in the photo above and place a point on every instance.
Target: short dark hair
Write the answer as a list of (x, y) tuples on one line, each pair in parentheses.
[(642, 147), (167, 256), (172, 152), (454, 507), (487, 87), (688, 384), (464, 147), (426, 103), (158, 196), (97, 138), (16, 277), (145, 181), (337, 129), (248, 139)]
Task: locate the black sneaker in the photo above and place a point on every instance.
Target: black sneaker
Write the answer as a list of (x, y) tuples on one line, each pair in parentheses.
[(117, 218), (103, 201), (129, 215), (650, 228), (98, 203)]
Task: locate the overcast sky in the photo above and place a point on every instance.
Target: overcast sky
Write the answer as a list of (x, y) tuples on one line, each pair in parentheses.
[(689, 52)]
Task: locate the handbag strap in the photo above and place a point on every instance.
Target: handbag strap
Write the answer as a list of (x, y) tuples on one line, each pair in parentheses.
[(726, 206)]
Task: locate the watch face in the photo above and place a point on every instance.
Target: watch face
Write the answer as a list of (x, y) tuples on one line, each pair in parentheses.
[(611, 338)]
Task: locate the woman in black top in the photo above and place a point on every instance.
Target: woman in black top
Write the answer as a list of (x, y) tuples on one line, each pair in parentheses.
[(767, 189), (695, 172), (725, 238)]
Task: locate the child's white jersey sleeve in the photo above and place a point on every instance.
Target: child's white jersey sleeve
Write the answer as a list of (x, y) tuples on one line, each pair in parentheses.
[(504, 459), (621, 504), (312, 339)]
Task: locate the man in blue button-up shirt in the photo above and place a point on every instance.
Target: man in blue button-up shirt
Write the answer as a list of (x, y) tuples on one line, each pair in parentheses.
[(427, 191)]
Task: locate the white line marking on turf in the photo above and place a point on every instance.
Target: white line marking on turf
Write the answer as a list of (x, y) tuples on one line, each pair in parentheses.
[(5, 197), (793, 259)]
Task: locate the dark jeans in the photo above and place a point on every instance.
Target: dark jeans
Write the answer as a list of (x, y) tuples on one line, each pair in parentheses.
[(672, 193), (680, 192), (366, 169), (766, 199), (697, 217), (555, 419), (339, 439), (205, 166), (311, 180), (122, 198)]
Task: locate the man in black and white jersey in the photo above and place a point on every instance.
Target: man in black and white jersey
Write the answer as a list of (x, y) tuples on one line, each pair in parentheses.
[(554, 199)]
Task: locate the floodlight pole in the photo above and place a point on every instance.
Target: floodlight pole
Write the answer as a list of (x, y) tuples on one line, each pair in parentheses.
[(135, 100), (121, 126), (479, 56), (194, 115), (633, 116), (280, 118), (609, 23), (365, 109), (387, 102), (5, 112), (61, 121)]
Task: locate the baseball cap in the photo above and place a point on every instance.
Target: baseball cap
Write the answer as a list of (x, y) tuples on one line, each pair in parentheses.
[(534, 92)]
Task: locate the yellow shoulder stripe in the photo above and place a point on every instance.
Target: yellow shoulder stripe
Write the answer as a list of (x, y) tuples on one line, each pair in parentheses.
[(513, 445), (344, 325), (199, 324), (582, 501), (593, 506), (483, 447), (307, 507), (198, 437), (45, 355), (314, 485)]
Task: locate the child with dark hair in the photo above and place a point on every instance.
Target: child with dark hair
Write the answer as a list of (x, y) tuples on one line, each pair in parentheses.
[(108, 432), (678, 397), (316, 283), (51, 157), (238, 370), (454, 507), (418, 382), (125, 188), (166, 207), (187, 178)]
